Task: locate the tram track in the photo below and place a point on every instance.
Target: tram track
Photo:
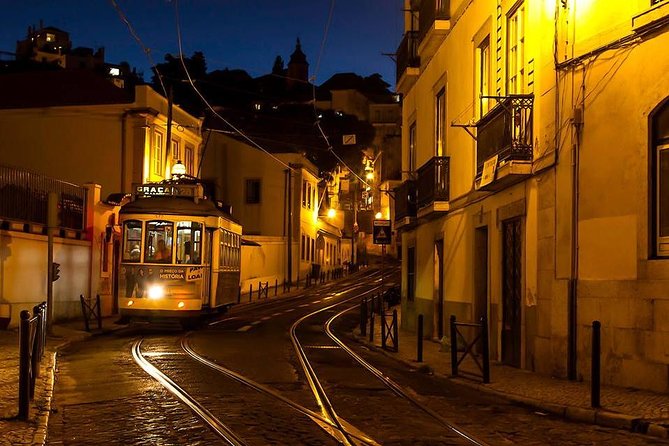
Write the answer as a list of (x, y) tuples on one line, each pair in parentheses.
[(320, 393), (329, 420)]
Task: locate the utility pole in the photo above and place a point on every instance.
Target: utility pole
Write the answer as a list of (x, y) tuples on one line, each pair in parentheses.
[(51, 225)]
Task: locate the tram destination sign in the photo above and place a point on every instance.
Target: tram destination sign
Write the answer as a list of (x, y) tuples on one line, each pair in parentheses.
[(382, 233), (168, 190)]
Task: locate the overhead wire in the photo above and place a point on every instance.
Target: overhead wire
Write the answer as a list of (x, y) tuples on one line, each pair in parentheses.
[(313, 89), (204, 100), (135, 36)]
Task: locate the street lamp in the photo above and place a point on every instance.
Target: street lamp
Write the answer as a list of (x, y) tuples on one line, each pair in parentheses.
[(178, 169), (331, 213), (378, 216)]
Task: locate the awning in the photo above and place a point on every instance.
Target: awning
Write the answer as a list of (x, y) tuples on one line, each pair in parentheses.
[(249, 243)]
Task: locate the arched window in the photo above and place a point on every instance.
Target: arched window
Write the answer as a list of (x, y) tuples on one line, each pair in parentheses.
[(660, 179)]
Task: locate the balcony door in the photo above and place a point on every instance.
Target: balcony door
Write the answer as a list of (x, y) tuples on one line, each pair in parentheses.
[(511, 291), (440, 123)]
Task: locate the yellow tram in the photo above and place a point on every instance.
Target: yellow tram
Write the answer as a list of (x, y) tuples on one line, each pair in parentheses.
[(180, 253)]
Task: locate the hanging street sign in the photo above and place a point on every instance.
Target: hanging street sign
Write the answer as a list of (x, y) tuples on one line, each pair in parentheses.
[(382, 232)]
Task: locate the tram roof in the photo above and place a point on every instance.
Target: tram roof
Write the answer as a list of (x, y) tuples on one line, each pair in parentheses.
[(174, 206)]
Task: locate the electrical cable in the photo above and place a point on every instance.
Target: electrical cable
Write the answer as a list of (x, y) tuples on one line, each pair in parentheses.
[(204, 100), (146, 49)]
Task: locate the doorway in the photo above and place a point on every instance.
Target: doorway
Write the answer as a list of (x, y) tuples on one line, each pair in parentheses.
[(511, 291), (438, 287)]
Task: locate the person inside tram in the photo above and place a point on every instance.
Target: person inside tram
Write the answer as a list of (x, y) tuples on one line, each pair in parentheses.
[(163, 252), (134, 252)]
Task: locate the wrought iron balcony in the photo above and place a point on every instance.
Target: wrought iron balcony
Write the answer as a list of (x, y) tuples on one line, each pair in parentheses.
[(430, 11), (506, 131), (407, 54), (405, 200), (432, 184)]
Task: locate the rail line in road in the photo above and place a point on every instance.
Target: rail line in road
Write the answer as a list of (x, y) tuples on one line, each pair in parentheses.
[(202, 412)]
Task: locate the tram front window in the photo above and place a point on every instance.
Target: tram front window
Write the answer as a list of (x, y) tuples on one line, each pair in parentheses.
[(189, 242), (159, 235), (132, 240)]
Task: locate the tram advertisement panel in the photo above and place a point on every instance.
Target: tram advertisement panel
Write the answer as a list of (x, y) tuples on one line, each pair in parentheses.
[(151, 281)]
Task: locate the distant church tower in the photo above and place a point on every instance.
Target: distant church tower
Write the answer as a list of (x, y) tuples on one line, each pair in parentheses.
[(298, 67)]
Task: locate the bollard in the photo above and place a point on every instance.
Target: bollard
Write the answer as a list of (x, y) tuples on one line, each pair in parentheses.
[(396, 332), (419, 339), (596, 364), (382, 317), (24, 366), (276, 286), (486, 350), (454, 348), (363, 317), (371, 326)]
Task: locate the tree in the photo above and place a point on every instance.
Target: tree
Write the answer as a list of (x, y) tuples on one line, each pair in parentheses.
[(278, 67)]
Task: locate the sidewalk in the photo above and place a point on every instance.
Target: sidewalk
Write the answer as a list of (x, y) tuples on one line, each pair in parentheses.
[(33, 431), (630, 409)]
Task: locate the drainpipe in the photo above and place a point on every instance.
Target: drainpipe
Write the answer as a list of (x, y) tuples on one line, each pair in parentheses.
[(289, 207)]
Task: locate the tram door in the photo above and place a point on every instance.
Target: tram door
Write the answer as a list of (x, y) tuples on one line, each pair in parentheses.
[(206, 276)]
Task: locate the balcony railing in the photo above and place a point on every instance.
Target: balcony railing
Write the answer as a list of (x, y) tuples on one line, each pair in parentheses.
[(407, 54), (405, 200), (506, 131), (432, 184), (24, 197), (428, 12)]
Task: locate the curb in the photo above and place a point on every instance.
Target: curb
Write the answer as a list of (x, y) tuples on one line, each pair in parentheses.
[(599, 417)]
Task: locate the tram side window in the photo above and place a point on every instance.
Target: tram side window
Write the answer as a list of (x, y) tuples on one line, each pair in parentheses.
[(229, 254), (159, 237), (189, 242), (132, 241)]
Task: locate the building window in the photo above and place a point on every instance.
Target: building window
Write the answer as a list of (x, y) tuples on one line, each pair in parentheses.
[(176, 155), (309, 195), (440, 123), (516, 51), (189, 160), (50, 37), (158, 153), (304, 194), (483, 77), (411, 273), (412, 148), (253, 191), (660, 179)]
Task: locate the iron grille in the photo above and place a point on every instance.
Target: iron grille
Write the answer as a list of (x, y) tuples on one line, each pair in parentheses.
[(506, 131), (429, 11), (433, 181), (407, 54), (24, 196)]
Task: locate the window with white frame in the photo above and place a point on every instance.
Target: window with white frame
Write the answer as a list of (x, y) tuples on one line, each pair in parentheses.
[(660, 179), (515, 58), (158, 153), (189, 159), (176, 155), (440, 123), (483, 75), (412, 147)]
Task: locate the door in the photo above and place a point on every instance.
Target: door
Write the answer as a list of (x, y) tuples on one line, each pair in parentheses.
[(116, 261), (480, 275), (511, 291), (438, 297)]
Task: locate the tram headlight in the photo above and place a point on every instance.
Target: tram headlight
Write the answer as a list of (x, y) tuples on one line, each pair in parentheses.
[(156, 292)]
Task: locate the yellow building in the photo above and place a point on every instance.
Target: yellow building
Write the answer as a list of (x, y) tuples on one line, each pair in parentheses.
[(79, 127), (280, 205), (533, 137)]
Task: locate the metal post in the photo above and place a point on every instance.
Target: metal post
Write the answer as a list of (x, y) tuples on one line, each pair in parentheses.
[(395, 332), (250, 292), (419, 339), (454, 347), (486, 350), (276, 286), (371, 326), (363, 317), (596, 364), (52, 225), (24, 366), (383, 329)]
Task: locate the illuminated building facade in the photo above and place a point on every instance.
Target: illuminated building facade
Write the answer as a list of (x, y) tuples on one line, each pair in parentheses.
[(534, 135)]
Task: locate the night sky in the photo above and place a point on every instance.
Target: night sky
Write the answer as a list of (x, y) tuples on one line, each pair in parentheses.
[(246, 34)]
